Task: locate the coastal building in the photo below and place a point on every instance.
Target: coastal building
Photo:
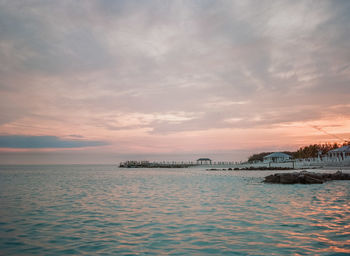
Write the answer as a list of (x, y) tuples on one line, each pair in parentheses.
[(276, 157), (341, 153), (202, 161)]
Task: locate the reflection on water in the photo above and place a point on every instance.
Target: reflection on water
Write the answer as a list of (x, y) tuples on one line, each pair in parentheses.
[(54, 210)]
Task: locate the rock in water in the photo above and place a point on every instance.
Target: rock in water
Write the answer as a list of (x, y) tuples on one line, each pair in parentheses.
[(305, 177), (288, 178)]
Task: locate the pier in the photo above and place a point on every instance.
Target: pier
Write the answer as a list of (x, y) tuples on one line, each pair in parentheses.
[(147, 164), (201, 162)]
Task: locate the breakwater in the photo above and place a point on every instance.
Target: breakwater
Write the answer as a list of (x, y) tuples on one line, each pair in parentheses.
[(178, 164), (147, 164), (251, 168)]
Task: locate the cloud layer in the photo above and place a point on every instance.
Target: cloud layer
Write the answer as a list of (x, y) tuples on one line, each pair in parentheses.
[(145, 74), (16, 141)]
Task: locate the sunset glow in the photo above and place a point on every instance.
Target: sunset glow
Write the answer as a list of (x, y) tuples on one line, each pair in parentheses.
[(104, 81)]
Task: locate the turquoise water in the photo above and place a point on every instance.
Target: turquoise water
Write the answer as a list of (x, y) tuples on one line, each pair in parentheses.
[(103, 210)]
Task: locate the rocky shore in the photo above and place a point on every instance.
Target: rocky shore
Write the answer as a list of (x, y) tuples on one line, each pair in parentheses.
[(305, 177), (251, 168)]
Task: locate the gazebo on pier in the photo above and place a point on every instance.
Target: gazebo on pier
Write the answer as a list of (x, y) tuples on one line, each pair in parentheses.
[(202, 161)]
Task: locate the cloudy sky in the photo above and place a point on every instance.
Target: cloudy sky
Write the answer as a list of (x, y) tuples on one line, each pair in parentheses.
[(104, 81)]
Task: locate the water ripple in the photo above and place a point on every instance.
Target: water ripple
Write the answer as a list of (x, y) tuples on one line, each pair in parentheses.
[(77, 210)]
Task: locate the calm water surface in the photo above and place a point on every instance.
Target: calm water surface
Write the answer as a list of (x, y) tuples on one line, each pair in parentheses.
[(103, 210)]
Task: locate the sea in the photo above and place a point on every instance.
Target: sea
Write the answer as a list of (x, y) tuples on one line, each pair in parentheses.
[(105, 210)]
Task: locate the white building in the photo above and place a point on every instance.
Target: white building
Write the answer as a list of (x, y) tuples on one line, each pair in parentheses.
[(341, 153), (277, 157)]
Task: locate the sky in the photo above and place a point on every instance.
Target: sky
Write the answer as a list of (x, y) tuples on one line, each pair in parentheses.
[(107, 81)]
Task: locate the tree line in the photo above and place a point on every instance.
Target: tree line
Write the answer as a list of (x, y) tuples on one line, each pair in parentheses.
[(309, 151)]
